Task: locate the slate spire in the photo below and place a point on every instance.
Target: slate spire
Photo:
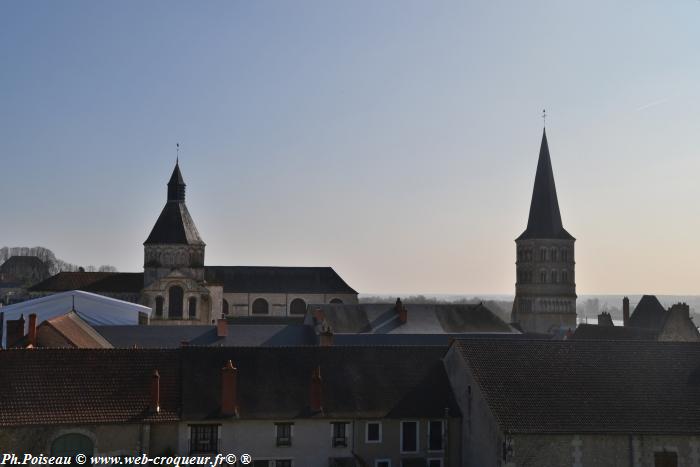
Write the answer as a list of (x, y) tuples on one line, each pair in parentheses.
[(176, 185), (545, 219)]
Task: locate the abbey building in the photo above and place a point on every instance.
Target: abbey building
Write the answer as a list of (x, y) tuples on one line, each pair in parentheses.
[(545, 288)]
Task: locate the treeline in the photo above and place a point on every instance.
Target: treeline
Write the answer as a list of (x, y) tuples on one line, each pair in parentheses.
[(54, 264)]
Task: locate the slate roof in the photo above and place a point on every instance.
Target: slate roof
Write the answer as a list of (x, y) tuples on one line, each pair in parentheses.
[(274, 279), (594, 331), (174, 226), (239, 335), (115, 282), (73, 386), (648, 314), (587, 386), (76, 331), (273, 383), (382, 318), (545, 219)]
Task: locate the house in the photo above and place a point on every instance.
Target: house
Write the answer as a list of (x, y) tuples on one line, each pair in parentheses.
[(577, 402)]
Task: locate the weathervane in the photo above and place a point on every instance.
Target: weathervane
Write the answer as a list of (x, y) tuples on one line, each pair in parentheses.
[(177, 156), (544, 117)]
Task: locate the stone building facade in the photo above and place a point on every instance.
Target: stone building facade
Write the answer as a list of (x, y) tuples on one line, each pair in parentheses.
[(545, 289)]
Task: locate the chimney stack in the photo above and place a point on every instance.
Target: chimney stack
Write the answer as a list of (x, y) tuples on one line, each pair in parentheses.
[(625, 311), (326, 336), (681, 309), (221, 328), (15, 331), (154, 406), (229, 389), (401, 310), (31, 331), (316, 392)]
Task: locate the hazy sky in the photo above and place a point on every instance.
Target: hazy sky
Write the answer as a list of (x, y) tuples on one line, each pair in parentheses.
[(393, 140)]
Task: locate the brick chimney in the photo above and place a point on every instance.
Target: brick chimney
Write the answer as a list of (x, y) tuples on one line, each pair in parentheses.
[(316, 391), (31, 330), (229, 389), (401, 310), (326, 336), (154, 405), (15, 331), (221, 328), (625, 311)]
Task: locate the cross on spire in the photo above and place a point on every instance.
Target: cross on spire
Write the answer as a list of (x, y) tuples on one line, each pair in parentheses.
[(177, 153), (544, 117)]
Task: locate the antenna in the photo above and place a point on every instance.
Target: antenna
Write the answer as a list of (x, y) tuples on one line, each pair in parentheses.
[(544, 118)]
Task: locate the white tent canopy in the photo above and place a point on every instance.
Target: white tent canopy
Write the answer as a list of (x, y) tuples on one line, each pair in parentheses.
[(96, 310)]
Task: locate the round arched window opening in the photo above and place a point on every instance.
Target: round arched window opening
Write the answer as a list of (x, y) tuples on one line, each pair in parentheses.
[(175, 302), (260, 307), (72, 444), (337, 301), (159, 306), (192, 307), (297, 307)]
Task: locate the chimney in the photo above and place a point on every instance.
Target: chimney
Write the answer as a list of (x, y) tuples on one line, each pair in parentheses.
[(221, 328), (315, 392), (229, 389), (154, 406), (31, 331), (326, 336), (625, 311), (681, 309), (605, 319), (401, 310), (15, 331)]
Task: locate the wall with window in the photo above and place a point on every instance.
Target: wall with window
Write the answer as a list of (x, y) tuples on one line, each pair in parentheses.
[(278, 304)]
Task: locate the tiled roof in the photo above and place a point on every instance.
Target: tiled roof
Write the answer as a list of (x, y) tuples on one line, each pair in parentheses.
[(115, 282), (356, 381), (76, 331), (57, 386), (588, 386), (383, 318), (545, 219), (594, 331), (273, 279), (649, 313)]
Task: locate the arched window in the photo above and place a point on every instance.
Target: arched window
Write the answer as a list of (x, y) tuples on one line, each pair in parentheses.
[(554, 277), (71, 445), (337, 301), (175, 299), (553, 254), (192, 307), (224, 307), (159, 306), (543, 277), (543, 254), (564, 255), (565, 277), (297, 307), (260, 307)]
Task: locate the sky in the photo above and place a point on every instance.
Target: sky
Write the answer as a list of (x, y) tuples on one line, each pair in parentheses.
[(395, 141)]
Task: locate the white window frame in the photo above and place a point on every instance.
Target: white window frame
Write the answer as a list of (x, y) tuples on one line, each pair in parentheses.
[(439, 459), (442, 435), (347, 436), (291, 435), (403, 451), (367, 440), (377, 461)]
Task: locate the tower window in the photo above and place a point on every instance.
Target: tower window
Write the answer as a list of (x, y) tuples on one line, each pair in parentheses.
[(564, 254), (159, 306), (554, 254), (554, 277), (543, 277), (565, 277), (175, 302), (543, 254), (192, 307), (260, 307)]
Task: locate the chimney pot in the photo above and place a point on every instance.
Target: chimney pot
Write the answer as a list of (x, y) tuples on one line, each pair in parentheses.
[(31, 331), (316, 391), (229, 389), (625, 311), (154, 406), (221, 328)]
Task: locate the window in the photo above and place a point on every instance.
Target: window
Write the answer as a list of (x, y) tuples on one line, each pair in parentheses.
[(564, 255), (665, 459), (409, 437), (373, 432), (71, 445), (224, 307), (565, 277), (436, 433), (192, 307), (284, 434), (553, 254), (283, 463), (543, 254), (337, 301), (159, 306), (260, 307), (175, 298), (382, 463), (543, 277), (204, 438), (554, 277), (340, 434), (297, 307), (437, 462)]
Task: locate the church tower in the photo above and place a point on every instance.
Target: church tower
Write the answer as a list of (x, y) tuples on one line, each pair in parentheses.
[(545, 289), (174, 243)]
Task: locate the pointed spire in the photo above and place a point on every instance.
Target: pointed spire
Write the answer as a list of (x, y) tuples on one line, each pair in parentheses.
[(545, 218), (176, 185)]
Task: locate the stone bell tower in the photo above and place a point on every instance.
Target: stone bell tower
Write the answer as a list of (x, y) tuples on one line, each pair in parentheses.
[(545, 289)]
